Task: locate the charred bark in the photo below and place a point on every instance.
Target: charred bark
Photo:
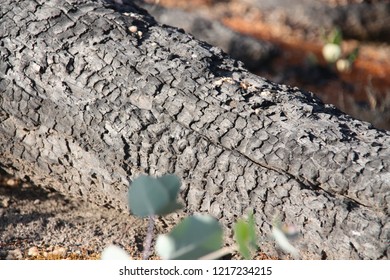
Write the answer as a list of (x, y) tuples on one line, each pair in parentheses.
[(93, 94)]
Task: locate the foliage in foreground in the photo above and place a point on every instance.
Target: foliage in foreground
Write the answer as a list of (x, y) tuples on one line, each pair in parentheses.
[(196, 236)]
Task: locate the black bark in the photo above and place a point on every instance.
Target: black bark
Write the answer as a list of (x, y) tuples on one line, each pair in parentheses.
[(93, 94)]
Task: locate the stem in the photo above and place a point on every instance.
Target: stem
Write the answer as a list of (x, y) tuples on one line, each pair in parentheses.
[(149, 237)]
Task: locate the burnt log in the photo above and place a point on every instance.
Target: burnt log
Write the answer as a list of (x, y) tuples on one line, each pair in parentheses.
[(92, 94)]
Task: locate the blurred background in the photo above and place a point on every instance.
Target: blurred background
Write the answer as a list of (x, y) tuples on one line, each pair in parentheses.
[(338, 49)]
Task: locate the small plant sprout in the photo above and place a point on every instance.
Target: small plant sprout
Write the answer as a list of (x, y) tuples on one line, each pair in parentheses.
[(195, 237), (332, 52), (245, 236), (345, 64), (149, 196), (332, 48)]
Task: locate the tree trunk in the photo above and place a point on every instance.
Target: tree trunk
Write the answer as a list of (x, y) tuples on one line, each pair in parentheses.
[(94, 94)]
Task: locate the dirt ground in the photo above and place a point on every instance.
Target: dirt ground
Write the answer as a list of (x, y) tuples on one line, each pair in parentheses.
[(40, 224)]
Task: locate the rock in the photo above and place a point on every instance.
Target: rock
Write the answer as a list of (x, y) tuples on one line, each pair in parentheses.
[(5, 202), (14, 255), (33, 252), (59, 252)]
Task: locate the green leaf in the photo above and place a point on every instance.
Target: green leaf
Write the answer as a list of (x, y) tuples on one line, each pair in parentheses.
[(172, 184), (245, 235), (336, 37), (169, 208), (192, 238), (241, 234), (153, 196), (353, 55)]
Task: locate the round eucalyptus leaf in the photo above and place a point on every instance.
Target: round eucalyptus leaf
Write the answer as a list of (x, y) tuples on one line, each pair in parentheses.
[(153, 196), (147, 196), (194, 237), (171, 183)]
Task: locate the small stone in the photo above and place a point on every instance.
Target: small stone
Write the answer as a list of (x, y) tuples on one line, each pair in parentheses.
[(36, 201), (14, 255), (5, 202), (59, 251), (133, 29), (12, 182), (33, 251), (139, 33)]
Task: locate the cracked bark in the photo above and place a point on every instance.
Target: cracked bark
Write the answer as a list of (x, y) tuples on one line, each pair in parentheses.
[(87, 105)]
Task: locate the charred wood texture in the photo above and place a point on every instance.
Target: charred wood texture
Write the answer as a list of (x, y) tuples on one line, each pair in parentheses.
[(94, 94)]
